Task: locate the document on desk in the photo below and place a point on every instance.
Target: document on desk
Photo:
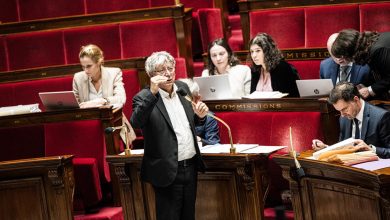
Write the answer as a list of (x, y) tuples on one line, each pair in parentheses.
[(373, 165), (135, 152), (265, 95), (337, 146), (240, 148)]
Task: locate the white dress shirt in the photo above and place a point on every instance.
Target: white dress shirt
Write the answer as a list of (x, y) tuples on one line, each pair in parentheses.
[(180, 123)]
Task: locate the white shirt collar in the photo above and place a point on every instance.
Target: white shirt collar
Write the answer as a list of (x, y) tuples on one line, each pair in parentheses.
[(359, 116), (166, 95)]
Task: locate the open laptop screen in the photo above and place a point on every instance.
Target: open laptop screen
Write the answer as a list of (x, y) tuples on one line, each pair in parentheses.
[(59, 100), (215, 87), (313, 88)]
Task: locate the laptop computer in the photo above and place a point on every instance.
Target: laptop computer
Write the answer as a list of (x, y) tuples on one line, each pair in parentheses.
[(314, 88), (215, 87), (59, 100)]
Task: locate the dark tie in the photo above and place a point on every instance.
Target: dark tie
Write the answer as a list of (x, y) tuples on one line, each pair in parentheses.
[(344, 73), (357, 130)]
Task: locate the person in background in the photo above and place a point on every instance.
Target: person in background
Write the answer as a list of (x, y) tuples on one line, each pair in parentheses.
[(171, 154), (221, 60), (341, 69), (208, 133), (370, 48), (269, 70), (368, 124), (98, 85)]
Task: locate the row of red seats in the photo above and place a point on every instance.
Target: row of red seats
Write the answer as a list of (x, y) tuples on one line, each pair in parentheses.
[(25, 10), (61, 47), (311, 26)]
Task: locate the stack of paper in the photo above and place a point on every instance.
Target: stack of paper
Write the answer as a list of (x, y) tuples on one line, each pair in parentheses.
[(19, 109), (337, 146), (265, 95), (240, 148)]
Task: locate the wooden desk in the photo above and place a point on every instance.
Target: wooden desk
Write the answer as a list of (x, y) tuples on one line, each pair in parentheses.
[(106, 115), (233, 187), (329, 116), (37, 188), (330, 191)]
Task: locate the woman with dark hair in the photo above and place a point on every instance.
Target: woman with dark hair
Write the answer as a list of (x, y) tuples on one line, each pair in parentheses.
[(269, 70), (221, 60), (370, 48)]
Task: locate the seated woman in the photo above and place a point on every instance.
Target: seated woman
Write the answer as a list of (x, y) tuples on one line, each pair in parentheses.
[(208, 133), (221, 60), (269, 70), (97, 85)]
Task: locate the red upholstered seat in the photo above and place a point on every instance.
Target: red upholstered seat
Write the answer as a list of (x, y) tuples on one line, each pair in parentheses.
[(198, 68), (210, 25), (161, 35), (307, 69), (132, 87), (286, 26), (375, 17), (87, 191), (105, 36), (35, 49), (84, 139), (3, 55), (98, 6), (106, 213), (8, 11), (38, 9), (322, 21)]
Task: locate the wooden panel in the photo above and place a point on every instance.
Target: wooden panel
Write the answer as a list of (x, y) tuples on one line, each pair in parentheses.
[(232, 187), (37, 188), (330, 191), (14, 193)]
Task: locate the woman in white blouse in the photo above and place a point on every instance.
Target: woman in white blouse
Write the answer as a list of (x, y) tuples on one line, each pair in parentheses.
[(221, 60)]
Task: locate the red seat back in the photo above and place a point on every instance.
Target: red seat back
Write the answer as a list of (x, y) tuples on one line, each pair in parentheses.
[(9, 11), (210, 25), (105, 36), (98, 6), (286, 26), (3, 55), (322, 21), (39, 9), (307, 69), (160, 35), (375, 17), (35, 49)]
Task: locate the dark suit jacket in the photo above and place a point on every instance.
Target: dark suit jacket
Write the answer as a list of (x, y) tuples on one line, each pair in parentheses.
[(159, 164), (330, 70), (375, 129), (282, 79)]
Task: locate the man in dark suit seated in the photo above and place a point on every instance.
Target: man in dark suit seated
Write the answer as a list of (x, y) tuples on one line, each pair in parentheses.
[(171, 157), (368, 124), (341, 69)]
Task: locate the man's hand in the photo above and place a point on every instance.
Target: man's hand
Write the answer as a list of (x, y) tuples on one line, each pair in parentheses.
[(364, 92), (200, 109), (155, 83), (318, 145), (360, 145)]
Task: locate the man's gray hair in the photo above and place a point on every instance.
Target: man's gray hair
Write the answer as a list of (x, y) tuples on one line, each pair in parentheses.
[(158, 59)]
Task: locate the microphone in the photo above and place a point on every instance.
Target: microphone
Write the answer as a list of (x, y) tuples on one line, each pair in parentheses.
[(182, 92), (109, 130), (299, 171)]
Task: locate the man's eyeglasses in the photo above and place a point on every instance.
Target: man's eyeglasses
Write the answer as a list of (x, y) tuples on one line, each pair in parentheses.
[(165, 70)]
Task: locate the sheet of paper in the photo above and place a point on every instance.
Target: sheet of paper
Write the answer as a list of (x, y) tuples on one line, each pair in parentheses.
[(135, 152), (263, 149), (265, 95), (225, 148), (374, 165)]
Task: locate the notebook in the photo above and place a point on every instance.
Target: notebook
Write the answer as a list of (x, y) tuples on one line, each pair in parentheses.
[(215, 87), (59, 100), (313, 88)]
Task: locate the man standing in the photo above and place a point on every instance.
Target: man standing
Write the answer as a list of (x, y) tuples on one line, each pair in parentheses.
[(368, 124), (171, 157), (341, 69)]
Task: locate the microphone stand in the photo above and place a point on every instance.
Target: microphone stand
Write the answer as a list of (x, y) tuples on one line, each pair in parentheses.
[(299, 171), (232, 147), (127, 148)]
